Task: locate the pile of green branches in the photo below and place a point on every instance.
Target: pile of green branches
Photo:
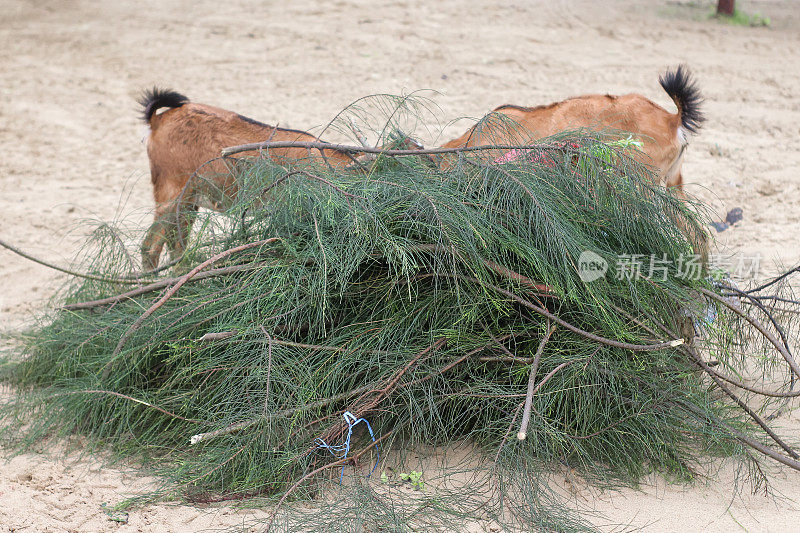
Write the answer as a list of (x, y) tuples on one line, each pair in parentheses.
[(443, 306)]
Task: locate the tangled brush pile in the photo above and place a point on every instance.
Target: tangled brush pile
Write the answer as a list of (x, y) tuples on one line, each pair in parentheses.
[(441, 306)]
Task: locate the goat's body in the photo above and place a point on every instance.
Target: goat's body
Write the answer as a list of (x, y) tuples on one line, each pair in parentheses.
[(664, 135), (184, 144), (184, 139), (655, 127)]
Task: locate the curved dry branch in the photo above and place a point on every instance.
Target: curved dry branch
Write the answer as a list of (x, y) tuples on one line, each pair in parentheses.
[(774, 281), (383, 151), (718, 378), (132, 280), (708, 369), (591, 336), (752, 414), (759, 326), (749, 441), (159, 285), (181, 282), (526, 413)]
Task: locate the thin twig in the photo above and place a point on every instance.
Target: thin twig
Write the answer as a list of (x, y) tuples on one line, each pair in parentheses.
[(300, 481), (506, 359), (756, 324), (791, 463), (182, 281), (591, 336), (774, 281), (732, 381), (508, 432), (526, 413), (717, 378), (540, 288), (772, 298), (455, 362), (749, 388), (499, 344), (752, 414), (755, 300), (159, 285), (392, 383), (129, 398), (358, 133), (133, 280), (217, 336), (771, 318), (319, 145), (269, 368), (766, 451)]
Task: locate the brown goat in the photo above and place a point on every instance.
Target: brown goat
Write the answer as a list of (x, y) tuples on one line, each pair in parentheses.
[(664, 135), (187, 139)]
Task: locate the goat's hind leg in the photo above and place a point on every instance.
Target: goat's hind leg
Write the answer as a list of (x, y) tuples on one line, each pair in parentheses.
[(153, 243), (179, 230), (172, 226)]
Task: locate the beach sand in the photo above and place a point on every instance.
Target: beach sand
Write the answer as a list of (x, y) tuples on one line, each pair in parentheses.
[(72, 150)]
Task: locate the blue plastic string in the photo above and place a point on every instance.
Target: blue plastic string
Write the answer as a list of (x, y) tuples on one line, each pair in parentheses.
[(340, 451)]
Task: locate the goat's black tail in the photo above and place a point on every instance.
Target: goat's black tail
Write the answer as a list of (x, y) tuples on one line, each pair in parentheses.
[(155, 98), (684, 92)]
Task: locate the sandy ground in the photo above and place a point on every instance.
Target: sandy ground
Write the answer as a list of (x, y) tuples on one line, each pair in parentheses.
[(71, 145)]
